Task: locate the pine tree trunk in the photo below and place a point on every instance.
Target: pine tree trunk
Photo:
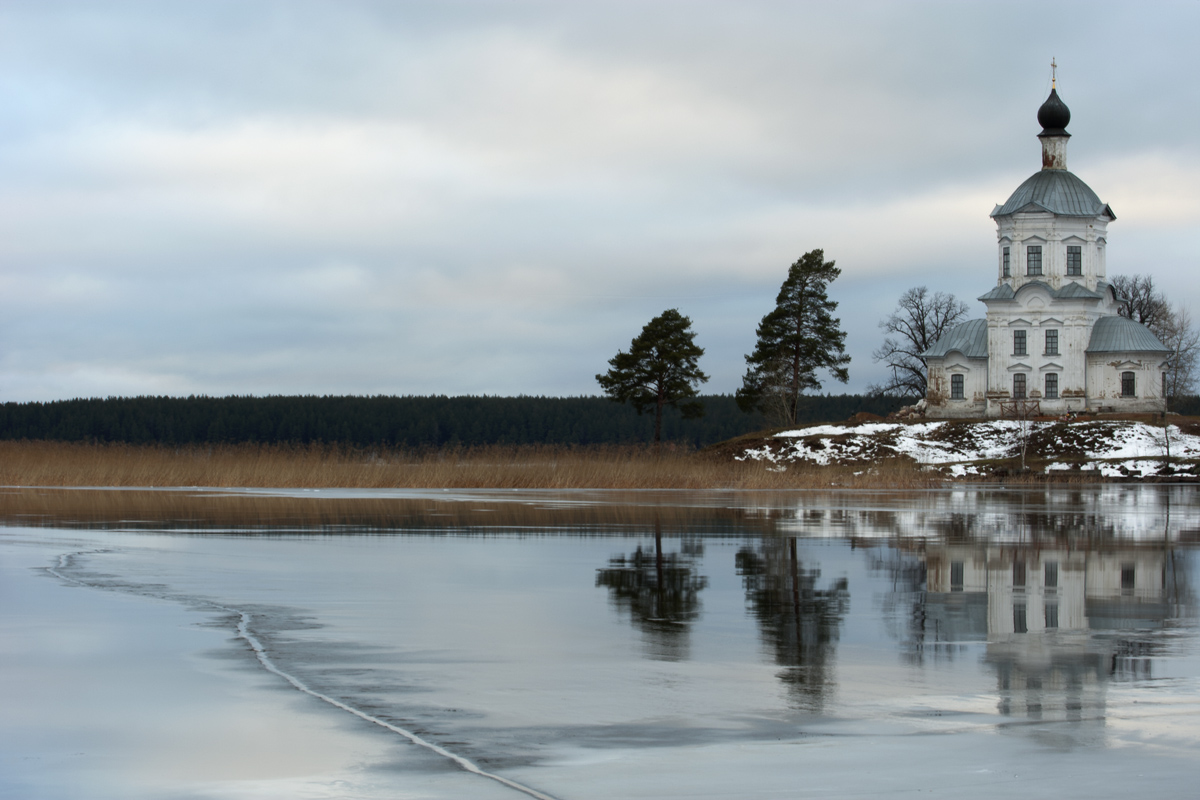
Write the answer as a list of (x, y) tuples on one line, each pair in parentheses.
[(658, 412), (795, 388)]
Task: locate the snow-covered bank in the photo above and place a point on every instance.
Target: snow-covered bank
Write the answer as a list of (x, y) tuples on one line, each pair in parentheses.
[(1108, 448)]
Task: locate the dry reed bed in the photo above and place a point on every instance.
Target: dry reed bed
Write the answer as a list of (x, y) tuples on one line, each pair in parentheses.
[(40, 463)]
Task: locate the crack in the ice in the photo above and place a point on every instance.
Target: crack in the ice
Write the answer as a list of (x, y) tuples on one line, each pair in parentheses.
[(245, 633), (260, 652)]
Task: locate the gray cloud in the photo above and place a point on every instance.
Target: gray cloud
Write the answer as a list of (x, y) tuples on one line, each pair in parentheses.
[(493, 198)]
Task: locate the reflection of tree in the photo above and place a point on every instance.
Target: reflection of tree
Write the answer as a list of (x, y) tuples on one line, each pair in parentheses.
[(661, 592), (799, 620), (903, 605)]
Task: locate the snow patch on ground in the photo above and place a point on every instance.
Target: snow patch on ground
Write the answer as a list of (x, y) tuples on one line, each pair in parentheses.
[(839, 430), (1143, 441), (1112, 448)]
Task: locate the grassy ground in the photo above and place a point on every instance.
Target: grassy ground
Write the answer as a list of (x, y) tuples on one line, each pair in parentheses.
[(43, 463)]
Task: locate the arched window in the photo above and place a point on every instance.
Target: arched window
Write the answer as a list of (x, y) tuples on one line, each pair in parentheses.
[(1128, 384)]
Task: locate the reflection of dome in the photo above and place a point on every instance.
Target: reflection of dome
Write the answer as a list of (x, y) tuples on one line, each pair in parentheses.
[(1054, 116), (1057, 191)]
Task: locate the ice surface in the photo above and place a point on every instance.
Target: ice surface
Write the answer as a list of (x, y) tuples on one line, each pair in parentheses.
[(818, 647)]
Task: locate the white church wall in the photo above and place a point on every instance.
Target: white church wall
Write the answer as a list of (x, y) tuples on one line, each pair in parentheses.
[(1023, 583), (1104, 371), (1034, 312), (1029, 316), (1053, 235), (956, 568), (1136, 574), (940, 399)]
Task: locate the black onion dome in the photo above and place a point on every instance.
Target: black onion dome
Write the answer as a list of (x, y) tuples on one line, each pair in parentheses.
[(1054, 116)]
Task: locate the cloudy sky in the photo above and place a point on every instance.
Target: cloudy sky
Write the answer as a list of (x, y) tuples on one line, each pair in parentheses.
[(493, 198)]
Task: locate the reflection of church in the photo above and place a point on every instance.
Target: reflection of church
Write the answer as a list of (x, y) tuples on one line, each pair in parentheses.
[(1052, 336), (1040, 610), (1016, 590)]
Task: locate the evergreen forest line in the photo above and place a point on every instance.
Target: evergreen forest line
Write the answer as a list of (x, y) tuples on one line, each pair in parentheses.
[(418, 422)]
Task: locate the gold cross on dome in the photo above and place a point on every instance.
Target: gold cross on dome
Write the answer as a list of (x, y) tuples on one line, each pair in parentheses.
[(1053, 73)]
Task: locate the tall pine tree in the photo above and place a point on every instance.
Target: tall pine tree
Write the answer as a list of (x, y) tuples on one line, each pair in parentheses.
[(659, 370), (795, 340)]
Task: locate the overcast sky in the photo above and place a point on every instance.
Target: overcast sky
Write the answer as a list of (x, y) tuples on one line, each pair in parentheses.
[(493, 198)]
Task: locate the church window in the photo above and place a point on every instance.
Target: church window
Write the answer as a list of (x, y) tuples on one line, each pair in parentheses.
[(1019, 343), (1074, 260), (1128, 385), (956, 576), (1007, 268), (1020, 624), (956, 387), (1033, 259), (1019, 386), (1052, 343), (1051, 385)]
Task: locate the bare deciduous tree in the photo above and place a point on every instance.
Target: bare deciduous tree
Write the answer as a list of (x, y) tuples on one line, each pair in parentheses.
[(1183, 363), (919, 320), (1142, 302)]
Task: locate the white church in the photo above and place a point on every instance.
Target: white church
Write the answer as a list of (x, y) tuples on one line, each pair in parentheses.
[(1052, 341)]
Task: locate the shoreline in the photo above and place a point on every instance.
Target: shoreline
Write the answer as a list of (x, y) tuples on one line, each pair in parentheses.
[(847, 456), (530, 512), (62, 464)]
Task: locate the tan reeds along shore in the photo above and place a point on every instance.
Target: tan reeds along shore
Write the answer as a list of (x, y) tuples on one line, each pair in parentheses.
[(41, 463)]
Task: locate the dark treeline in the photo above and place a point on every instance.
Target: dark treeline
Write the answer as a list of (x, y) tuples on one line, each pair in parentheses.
[(394, 421), (1188, 406)]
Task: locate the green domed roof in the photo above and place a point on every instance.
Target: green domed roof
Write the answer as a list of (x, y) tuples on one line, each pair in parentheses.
[(968, 338), (1123, 335), (1057, 191)]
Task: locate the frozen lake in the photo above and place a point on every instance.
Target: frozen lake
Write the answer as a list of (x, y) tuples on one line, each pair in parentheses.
[(344, 644)]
